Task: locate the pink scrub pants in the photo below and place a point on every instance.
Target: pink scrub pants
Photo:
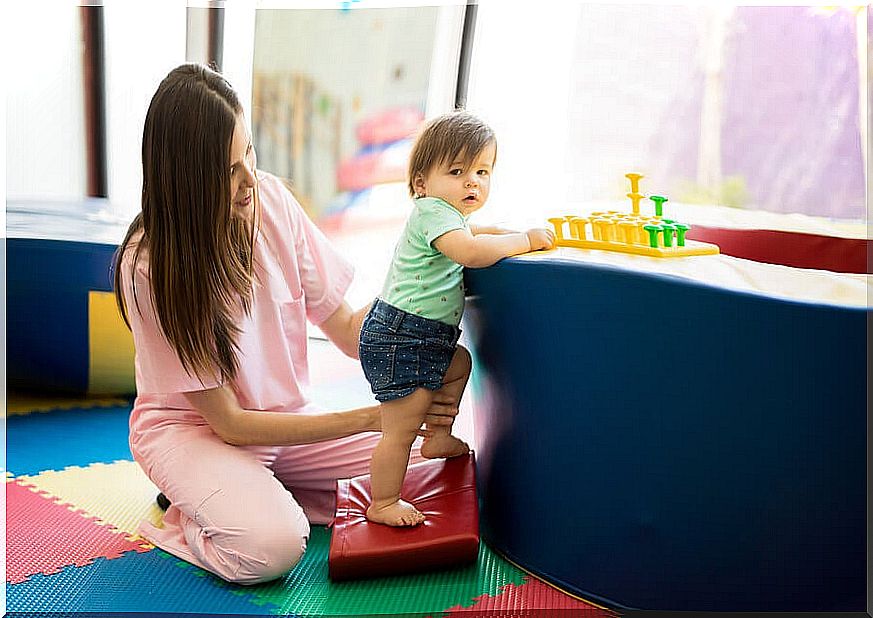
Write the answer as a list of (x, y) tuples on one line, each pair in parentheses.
[(241, 512)]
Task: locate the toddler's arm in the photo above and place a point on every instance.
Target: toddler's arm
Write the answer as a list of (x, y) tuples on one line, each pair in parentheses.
[(490, 229), (479, 251)]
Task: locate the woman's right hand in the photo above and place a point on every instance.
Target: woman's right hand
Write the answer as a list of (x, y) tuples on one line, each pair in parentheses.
[(441, 412)]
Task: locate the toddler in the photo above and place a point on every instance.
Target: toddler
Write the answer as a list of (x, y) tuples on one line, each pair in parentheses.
[(408, 345)]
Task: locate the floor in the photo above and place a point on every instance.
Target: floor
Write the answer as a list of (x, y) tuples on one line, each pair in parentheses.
[(74, 498)]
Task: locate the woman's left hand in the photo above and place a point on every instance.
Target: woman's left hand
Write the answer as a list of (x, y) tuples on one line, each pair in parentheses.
[(443, 409)]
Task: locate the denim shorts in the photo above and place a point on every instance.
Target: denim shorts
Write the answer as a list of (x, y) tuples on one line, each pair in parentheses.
[(401, 352)]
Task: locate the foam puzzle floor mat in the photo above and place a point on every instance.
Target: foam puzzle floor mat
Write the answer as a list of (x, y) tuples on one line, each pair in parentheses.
[(74, 498)]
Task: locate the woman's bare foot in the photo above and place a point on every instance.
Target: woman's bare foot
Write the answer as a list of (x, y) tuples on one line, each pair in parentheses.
[(399, 513), (443, 445)]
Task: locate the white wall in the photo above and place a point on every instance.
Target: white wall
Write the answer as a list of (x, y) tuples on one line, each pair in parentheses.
[(45, 143), (144, 42)]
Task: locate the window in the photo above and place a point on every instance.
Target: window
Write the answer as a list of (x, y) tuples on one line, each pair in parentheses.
[(753, 107)]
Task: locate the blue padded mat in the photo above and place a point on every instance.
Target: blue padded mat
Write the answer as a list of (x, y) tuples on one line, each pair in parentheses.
[(714, 440), (52, 441), (147, 582)]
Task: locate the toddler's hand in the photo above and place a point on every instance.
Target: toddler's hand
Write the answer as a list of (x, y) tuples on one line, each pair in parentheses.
[(540, 238)]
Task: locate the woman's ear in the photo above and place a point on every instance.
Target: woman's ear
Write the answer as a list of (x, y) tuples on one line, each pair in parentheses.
[(418, 185)]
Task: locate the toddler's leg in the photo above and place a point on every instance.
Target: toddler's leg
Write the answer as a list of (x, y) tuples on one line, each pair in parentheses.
[(441, 442), (401, 420), (310, 471)]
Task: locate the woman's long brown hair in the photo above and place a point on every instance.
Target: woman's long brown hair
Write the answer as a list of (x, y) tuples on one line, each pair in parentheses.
[(199, 255)]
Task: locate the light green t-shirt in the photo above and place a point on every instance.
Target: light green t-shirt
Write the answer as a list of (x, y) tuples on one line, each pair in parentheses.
[(422, 280)]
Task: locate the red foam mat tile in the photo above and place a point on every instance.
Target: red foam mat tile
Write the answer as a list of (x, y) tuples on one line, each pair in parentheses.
[(532, 598), (43, 536)]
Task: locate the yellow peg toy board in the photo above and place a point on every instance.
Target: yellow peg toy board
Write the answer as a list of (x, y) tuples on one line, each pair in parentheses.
[(614, 225), (691, 247), (612, 230)]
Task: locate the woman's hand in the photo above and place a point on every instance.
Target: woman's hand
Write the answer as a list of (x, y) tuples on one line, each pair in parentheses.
[(442, 412)]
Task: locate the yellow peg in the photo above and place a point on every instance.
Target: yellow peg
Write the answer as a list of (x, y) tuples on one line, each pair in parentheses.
[(635, 181), (627, 231), (598, 226), (558, 224), (577, 227), (641, 234), (571, 221), (635, 201)]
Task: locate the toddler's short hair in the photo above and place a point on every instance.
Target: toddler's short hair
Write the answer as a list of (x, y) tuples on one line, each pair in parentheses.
[(444, 138)]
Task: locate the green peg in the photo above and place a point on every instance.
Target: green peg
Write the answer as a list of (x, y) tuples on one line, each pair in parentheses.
[(681, 228), (668, 234), (659, 204), (653, 234)]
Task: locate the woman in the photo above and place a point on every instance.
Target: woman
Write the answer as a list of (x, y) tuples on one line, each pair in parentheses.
[(216, 278)]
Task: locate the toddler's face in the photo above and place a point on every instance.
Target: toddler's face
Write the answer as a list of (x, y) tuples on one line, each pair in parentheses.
[(465, 187)]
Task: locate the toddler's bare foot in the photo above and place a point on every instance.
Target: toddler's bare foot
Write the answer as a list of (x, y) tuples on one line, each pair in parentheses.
[(443, 446), (399, 513)]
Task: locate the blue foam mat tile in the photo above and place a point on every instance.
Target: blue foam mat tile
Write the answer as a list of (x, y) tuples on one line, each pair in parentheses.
[(129, 615), (54, 440), (136, 582), (133, 615)]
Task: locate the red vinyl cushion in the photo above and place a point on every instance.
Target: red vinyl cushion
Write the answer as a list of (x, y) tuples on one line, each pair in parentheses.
[(443, 489), (800, 250)]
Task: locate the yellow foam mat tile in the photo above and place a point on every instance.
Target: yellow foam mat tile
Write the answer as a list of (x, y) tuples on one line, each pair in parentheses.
[(18, 403), (118, 495)]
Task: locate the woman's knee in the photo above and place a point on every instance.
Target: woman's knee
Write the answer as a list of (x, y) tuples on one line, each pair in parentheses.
[(256, 541), (270, 552)]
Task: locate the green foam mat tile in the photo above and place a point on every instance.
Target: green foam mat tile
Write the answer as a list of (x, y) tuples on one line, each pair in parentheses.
[(307, 590)]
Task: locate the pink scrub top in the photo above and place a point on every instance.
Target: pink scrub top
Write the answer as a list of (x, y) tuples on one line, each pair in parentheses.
[(298, 276)]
